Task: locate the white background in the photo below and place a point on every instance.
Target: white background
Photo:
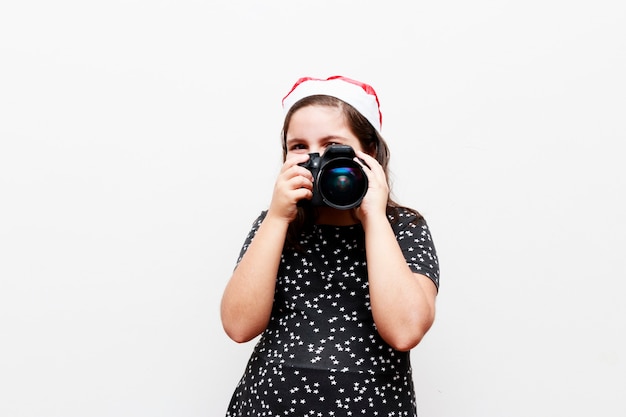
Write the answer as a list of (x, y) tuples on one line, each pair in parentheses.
[(140, 139)]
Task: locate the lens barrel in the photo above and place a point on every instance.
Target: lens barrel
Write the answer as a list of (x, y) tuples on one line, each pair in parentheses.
[(342, 183)]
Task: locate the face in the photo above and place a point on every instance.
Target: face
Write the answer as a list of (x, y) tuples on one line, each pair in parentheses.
[(314, 128)]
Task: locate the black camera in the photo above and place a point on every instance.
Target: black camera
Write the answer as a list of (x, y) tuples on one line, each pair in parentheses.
[(338, 180)]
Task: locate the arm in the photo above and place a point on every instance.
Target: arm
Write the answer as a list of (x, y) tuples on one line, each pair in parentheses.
[(248, 297), (249, 294), (403, 302)]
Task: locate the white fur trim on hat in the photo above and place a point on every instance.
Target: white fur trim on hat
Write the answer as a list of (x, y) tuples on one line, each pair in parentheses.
[(359, 95)]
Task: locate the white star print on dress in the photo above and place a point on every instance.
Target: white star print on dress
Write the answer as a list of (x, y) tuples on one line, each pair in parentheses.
[(321, 354)]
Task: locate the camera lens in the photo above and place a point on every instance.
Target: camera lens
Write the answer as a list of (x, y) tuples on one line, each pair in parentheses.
[(342, 183)]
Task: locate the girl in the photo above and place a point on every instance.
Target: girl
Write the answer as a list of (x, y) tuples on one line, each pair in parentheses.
[(339, 296)]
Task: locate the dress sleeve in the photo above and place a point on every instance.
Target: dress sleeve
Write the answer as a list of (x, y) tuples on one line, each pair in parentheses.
[(255, 226), (415, 240)]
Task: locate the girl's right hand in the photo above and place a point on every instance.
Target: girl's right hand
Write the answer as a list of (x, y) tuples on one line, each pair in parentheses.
[(294, 183)]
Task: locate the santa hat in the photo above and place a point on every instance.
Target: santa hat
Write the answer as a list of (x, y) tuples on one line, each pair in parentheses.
[(359, 95)]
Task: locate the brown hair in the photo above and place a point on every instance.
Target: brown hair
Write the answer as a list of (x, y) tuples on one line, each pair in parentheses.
[(370, 139)]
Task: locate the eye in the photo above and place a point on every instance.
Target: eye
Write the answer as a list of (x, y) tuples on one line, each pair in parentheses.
[(297, 147)]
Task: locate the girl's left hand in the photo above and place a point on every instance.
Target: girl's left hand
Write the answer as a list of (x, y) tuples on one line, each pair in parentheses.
[(375, 200)]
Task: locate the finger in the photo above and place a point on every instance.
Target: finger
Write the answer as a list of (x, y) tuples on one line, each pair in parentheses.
[(296, 159), (292, 167), (374, 171), (301, 181), (303, 172), (303, 194), (365, 158)]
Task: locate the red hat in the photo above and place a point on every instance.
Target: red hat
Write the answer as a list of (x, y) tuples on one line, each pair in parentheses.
[(359, 95)]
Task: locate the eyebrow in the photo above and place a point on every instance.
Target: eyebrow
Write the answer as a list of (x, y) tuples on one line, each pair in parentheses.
[(325, 138)]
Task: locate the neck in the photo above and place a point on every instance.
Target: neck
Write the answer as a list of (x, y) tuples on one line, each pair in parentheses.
[(335, 217)]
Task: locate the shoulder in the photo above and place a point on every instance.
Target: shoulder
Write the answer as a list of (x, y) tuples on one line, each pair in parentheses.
[(402, 217), (415, 240), (256, 224), (407, 222)]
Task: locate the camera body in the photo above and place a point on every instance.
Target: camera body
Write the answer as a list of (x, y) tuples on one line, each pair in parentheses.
[(338, 180)]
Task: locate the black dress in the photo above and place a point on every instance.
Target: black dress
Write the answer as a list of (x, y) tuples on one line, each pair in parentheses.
[(321, 354)]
